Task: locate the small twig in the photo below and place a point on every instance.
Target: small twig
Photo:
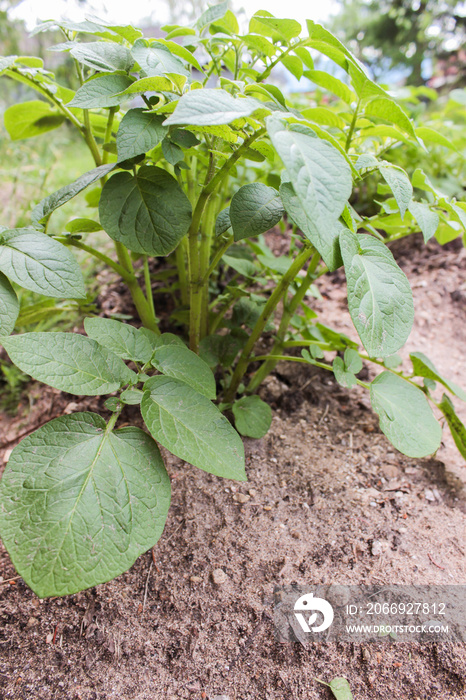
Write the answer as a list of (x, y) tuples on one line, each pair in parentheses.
[(439, 566), (12, 578), (324, 414), (146, 587)]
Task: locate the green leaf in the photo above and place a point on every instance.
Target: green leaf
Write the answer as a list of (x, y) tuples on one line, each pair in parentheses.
[(457, 428), (179, 362), (254, 209), (427, 219), (46, 206), (399, 184), (80, 504), (210, 107), (148, 212), (321, 184), (9, 306), (83, 226), (384, 108), (353, 362), (427, 134), (330, 83), (253, 417), (157, 59), (190, 426), (124, 340), (155, 84), (102, 91), (39, 263), (423, 367), (103, 56), (379, 296), (343, 376), (322, 115), (223, 222), (166, 339), (69, 362), (294, 65), (405, 415), (181, 52), (139, 131), (325, 239), (212, 14), (28, 119), (172, 153), (341, 689), (277, 29)]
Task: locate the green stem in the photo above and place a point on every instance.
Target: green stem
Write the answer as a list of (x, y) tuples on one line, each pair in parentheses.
[(195, 286), (108, 133), (181, 259), (220, 315), (288, 311), (217, 257), (147, 282), (265, 74), (261, 323), (290, 358), (352, 127), (142, 306), (119, 269)]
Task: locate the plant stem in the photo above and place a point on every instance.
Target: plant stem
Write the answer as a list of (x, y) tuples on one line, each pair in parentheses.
[(147, 282), (195, 282), (288, 311), (124, 274), (217, 257), (181, 259), (108, 133), (352, 127), (142, 305), (290, 358), (266, 313)]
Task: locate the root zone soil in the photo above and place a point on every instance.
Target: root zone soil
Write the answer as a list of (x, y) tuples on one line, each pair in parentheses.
[(328, 501)]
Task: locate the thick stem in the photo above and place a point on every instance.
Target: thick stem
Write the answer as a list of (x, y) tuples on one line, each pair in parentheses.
[(261, 323), (181, 259), (288, 311), (147, 282), (108, 133)]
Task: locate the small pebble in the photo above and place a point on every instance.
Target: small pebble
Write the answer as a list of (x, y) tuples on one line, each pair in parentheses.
[(219, 576), (267, 507), (429, 495), (241, 497), (195, 579)]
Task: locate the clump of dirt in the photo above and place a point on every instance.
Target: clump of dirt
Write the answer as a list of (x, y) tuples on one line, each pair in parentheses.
[(328, 501)]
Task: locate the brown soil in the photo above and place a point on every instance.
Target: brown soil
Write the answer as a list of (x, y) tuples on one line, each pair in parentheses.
[(324, 485)]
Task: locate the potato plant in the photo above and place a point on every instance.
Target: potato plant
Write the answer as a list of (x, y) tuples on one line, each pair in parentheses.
[(197, 155)]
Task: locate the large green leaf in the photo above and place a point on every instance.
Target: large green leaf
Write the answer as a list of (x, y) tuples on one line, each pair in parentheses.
[(102, 91), (124, 340), (399, 183), (148, 212), (9, 306), (157, 59), (265, 24), (139, 131), (39, 263), (28, 119), (330, 83), (423, 367), (379, 296), (80, 504), (103, 56), (190, 426), (254, 209), (211, 106), (321, 183), (427, 219), (181, 363), (457, 428), (69, 362), (388, 110), (46, 206), (213, 13), (253, 416), (405, 415)]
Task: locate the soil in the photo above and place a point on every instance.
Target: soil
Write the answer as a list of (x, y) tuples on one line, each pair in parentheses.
[(328, 501)]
